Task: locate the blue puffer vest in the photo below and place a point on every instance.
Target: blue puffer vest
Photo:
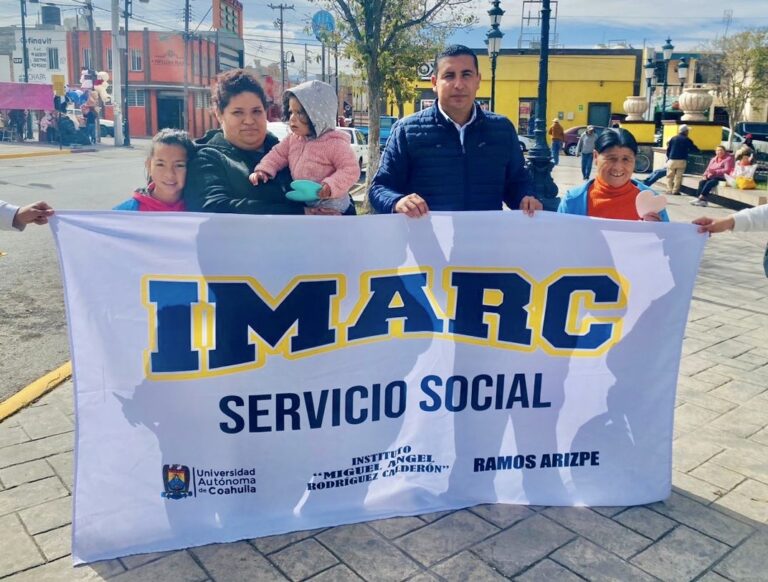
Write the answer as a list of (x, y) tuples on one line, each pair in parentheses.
[(424, 155)]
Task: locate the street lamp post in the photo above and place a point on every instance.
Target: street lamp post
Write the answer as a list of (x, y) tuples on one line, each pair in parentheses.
[(667, 53), (682, 72), (650, 71), (284, 63), (540, 158), (493, 40), (25, 57)]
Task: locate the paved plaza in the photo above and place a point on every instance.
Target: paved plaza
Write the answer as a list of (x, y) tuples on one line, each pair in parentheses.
[(713, 527)]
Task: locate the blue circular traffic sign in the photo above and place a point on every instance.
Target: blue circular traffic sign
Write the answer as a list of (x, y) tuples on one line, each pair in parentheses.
[(322, 23)]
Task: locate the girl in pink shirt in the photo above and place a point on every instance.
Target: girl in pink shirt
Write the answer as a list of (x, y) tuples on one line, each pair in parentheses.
[(166, 174), (314, 150)]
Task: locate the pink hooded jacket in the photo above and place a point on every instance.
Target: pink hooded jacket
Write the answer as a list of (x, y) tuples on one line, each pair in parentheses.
[(327, 158)]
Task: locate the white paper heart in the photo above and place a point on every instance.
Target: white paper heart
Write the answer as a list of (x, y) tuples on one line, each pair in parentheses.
[(647, 201)]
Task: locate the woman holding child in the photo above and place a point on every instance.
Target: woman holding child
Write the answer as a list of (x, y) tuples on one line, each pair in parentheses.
[(218, 175)]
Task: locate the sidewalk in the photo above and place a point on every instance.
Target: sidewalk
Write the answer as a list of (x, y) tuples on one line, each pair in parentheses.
[(714, 527)]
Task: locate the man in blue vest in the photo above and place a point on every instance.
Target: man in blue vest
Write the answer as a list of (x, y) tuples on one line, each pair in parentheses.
[(453, 155)]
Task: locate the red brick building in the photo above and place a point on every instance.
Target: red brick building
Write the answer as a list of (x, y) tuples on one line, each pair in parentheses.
[(156, 74)]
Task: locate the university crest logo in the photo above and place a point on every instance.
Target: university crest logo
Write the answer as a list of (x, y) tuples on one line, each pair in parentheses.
[(176, 481)]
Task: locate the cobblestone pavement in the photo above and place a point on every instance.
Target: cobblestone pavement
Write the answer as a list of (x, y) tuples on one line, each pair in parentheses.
[(712, 528)]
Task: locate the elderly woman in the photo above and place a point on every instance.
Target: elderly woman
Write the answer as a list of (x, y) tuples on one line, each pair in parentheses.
[(613, 192), (716, 171), (218, 175)]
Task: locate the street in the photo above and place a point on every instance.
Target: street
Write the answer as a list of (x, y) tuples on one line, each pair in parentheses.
[(33, 334)]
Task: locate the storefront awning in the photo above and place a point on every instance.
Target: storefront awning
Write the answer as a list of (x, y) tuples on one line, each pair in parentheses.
[(26, 96)]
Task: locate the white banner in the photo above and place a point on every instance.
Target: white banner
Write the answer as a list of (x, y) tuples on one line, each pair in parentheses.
[(242, 376)]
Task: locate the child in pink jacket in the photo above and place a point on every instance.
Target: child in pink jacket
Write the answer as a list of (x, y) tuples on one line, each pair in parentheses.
[(314, 150)]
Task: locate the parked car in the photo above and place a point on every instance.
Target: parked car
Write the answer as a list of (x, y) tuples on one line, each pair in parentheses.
[(526, 142), (280, 129), (385, 128), (759, 131), (738, 139), (359, 145), (572, 135), (107, 127)]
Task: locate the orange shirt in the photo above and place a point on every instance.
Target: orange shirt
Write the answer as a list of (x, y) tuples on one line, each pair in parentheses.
[(604, 201), (557, 132)]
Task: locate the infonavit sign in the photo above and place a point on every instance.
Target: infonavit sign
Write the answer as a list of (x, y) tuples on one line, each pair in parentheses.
[(47, 51)]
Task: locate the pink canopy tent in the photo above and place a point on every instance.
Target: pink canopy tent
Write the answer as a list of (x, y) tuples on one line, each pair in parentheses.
[(26, 96)]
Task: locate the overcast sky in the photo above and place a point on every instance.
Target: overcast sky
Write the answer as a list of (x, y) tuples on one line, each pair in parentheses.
[(580, 23)]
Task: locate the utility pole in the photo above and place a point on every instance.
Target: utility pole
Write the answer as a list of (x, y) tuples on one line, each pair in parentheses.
[(186, 65), (93, 64), (25, 57), (281, 7), (117, 90), (336, 67), (126, 14), (306, 56), (322, 64)]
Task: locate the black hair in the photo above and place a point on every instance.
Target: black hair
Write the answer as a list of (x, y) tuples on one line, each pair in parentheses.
[(287, 111), (170, 136), (456, 50), (231, 83), (615, 138)]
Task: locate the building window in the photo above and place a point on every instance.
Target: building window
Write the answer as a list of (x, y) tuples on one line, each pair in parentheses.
[(526, 113), (136, 60), (202, 100), (87, 58), (109, 59), (53, 58), (136, 98)]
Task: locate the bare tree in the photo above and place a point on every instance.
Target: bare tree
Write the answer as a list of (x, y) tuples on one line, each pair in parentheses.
[(374, 28), (739, 66)]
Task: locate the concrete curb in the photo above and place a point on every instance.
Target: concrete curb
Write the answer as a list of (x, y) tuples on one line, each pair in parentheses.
[(33, 154), (45, 153), (35, 390)]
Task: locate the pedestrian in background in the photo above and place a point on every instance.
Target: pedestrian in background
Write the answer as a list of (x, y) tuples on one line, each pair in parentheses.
[(678, 149), (717, 168), (17, 218), (585, 148), (747, 150), (17, 119), (90, 124), (557, 133)]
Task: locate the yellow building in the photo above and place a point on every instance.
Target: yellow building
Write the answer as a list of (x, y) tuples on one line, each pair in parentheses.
[(585, 85)]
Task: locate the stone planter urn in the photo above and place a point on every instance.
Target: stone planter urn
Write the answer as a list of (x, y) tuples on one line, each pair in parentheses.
[(635, 107), (695, 104)]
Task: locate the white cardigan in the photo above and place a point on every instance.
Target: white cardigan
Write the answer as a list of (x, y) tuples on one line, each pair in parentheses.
[(751, 219), (7, 213)]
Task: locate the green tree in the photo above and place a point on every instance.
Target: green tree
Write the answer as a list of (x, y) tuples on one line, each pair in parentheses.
[(376, 29), (738, 64), (412, 48)]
